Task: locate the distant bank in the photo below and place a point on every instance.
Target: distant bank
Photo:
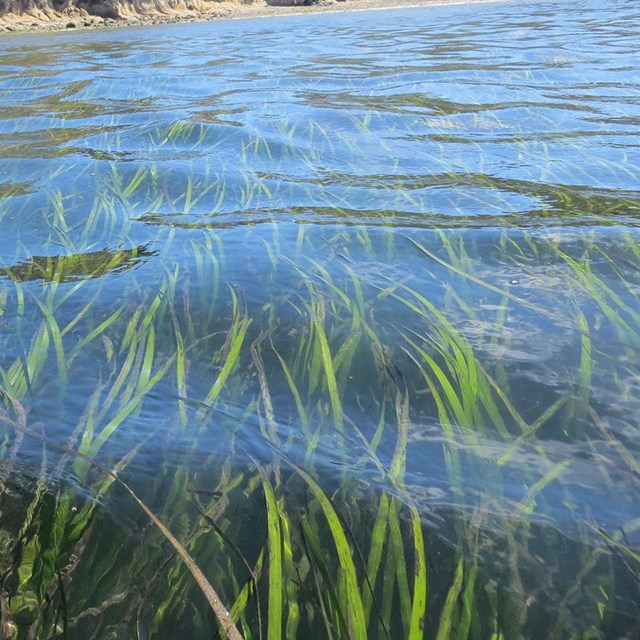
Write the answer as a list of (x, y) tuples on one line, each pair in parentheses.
[(55, 15)]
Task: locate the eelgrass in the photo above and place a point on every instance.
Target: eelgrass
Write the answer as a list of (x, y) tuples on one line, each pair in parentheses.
[(298, 390), (330, 564)]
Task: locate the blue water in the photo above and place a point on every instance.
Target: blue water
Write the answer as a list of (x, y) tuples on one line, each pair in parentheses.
[(468, 170)]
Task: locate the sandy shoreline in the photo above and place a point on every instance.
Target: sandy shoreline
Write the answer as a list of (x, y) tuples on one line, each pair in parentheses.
[(73, 20)]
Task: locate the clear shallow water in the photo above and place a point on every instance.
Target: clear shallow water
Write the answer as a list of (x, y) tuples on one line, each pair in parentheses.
[(397, 250)]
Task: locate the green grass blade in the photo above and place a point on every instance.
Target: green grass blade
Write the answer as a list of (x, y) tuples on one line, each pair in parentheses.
[(276, 577), (54, 332), (332, 385), (237, 334), (395, 540), (449, 610), (419, 604), (528, 503), (302, 413), (378, 537), (357, 620)]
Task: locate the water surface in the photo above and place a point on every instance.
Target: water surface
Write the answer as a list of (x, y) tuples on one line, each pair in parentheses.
[(388, 258)]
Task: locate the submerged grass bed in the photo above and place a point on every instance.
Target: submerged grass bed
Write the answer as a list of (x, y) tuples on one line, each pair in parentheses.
[(342, 347), (292, 424)]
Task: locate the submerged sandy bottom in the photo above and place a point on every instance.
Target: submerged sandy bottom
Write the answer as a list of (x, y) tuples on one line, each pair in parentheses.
[(225, 9)]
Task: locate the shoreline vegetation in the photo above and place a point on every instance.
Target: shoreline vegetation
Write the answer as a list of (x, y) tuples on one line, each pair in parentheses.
[(50, 15)]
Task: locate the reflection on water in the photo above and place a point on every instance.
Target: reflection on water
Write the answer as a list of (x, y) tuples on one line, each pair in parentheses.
[(349, 301), (78, 266)]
